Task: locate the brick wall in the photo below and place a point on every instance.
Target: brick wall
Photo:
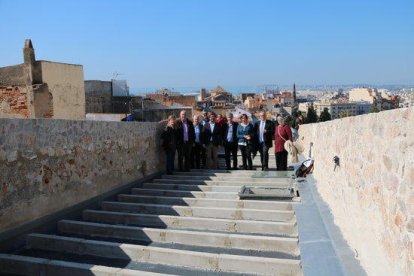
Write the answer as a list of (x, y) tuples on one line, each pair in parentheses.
[(14, 102), (185, 100)]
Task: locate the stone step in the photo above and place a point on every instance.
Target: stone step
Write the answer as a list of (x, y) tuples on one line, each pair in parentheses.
[(288, 229), (227, 178), (206, 202), (238, 182), (231, 173), (216, 263), (186, 187), (24, 265), (176, 193), (290, 169), (285, 245), (203, 212)]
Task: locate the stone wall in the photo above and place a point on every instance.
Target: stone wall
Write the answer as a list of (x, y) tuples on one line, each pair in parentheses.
[(371, 194), (48, 165)]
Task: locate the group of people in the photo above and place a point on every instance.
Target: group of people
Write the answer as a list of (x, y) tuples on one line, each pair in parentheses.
[(196, 142)]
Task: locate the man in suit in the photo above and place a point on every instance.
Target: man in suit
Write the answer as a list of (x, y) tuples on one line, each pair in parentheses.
[(264, 130), (185, 141), (230, 141), (212, 140), (205, 119), (198, 143)]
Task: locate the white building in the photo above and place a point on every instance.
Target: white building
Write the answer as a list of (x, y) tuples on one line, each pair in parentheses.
[(364, 107), (369, 95), (336, 109), (303, 107)]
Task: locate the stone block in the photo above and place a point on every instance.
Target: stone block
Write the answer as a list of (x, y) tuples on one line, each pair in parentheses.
[(12, 156)]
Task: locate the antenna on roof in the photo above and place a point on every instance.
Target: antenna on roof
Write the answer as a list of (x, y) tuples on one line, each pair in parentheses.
[(115, 75)]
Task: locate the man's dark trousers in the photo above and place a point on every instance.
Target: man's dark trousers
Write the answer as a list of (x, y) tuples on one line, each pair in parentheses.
[(184, 156), (196, 155), (264, 155), (230, 148)]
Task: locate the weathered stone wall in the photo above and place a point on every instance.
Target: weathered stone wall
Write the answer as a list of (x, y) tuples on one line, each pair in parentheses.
[(371, 194), (66, 83), (48, 165)]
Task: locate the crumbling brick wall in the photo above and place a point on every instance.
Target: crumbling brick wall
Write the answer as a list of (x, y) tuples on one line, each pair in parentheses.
[(14, 102)]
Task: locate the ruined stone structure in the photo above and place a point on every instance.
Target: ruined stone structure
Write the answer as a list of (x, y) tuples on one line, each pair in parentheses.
[(41, 89)]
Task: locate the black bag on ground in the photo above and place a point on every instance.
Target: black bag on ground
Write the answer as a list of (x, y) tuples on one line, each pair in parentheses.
[(305, 168)]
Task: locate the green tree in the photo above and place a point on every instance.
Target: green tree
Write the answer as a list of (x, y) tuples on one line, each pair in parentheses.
[(311, 116), (344, 113), (325, 115), (374, 110), (289, 120)]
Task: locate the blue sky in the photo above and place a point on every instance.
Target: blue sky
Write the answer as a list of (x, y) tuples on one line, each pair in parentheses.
[(190, 43)]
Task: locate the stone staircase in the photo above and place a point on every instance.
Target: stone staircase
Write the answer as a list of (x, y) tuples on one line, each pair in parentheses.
[(189, 223)]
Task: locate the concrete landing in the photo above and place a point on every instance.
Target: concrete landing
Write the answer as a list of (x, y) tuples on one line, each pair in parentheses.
[(323, 250)]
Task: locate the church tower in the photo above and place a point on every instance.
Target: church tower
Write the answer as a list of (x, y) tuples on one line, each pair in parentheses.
[(294, 93)]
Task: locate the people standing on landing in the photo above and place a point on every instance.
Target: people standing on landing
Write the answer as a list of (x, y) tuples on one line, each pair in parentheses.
[(230, 141), (170, 136), (198, 143), (245, 135), (264, 131), (212, 140), (282, 134), (185, 142)]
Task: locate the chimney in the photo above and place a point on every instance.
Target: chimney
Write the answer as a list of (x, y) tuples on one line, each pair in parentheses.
[(294, 93), (28, 52)]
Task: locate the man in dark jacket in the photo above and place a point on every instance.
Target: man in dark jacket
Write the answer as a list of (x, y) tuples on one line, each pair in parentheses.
[(230, 141), (185, 141), (264, 131), (197, 153), (212, 139)]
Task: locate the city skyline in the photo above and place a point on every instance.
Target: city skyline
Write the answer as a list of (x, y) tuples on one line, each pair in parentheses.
[(232, 44), (259, 88)]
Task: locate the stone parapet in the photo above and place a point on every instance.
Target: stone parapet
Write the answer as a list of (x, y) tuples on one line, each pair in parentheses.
[(371, 193), (49, 165)]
